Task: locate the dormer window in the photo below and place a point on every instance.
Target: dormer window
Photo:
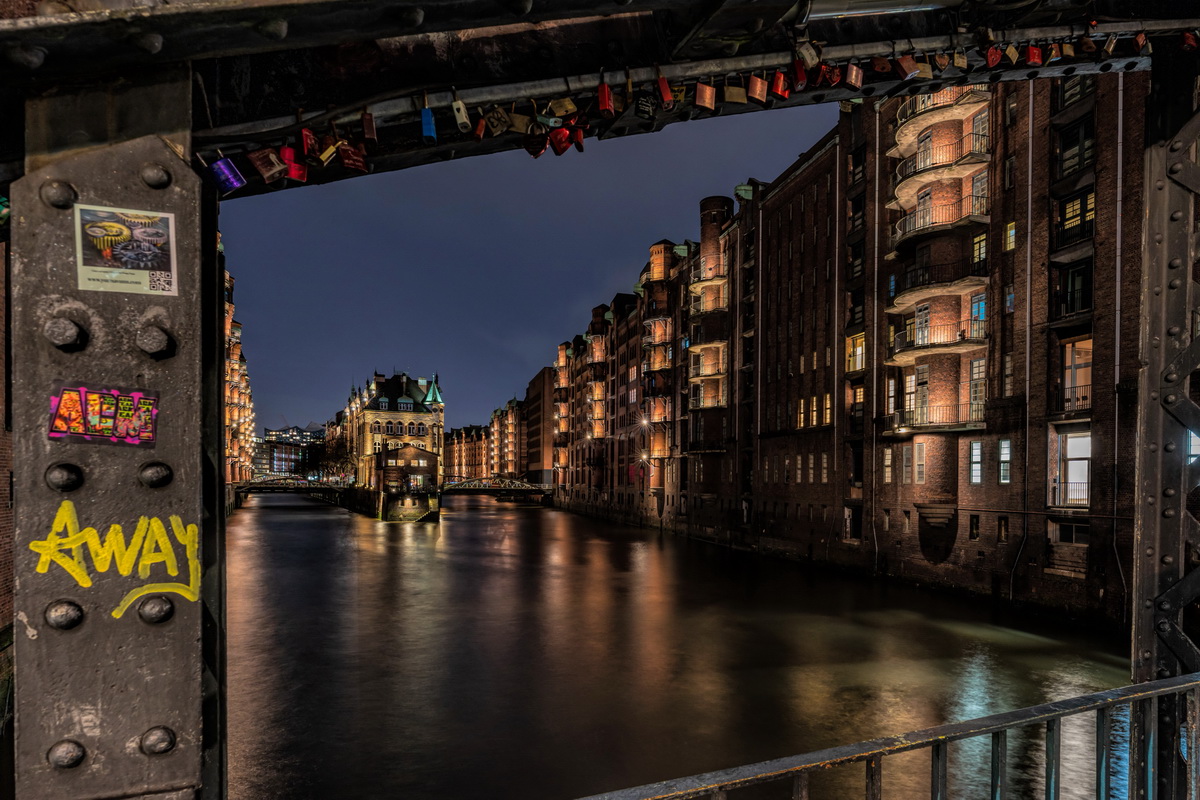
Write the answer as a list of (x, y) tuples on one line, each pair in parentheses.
[(383, 404)]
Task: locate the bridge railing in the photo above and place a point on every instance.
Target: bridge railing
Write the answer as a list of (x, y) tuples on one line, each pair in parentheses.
[(1146, 697)]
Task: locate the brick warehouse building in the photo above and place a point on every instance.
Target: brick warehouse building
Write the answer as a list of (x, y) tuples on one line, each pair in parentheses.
[(884, 358)]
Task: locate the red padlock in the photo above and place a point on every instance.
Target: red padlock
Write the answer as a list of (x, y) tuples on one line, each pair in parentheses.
[(536, 139), (833, 73), (799, 76), (666, 98), (706, 96), (310, 148), (560, 140), (779, 86), (992, 56), (604, 99), (881, 64), (577, 134), (296, 169), (1033, 55), (1190, 41), (481, 128), (368, 126)]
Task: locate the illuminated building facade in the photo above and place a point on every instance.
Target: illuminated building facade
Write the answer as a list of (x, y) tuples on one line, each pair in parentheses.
[(388, 413), (468, 453), (507, 438), (239, 402), (913, 353)]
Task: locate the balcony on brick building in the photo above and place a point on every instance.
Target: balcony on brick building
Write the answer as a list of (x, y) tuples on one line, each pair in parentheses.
[(954, 160), (932, 219), (960, 415), (1070, 399), (920, 111), (951, 337), (919, 282)]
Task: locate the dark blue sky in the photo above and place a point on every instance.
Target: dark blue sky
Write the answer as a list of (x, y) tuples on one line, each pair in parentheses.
[(475, 269)]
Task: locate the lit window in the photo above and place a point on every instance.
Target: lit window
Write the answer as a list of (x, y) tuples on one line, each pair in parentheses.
[(800, 416), (828, 409), (1010, 236), (813, 411), (1002, 529), (976, 462), (887, 465), (973, 530)]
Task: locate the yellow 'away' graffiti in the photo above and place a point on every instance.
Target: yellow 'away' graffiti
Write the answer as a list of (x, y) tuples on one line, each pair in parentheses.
[(150, 545)]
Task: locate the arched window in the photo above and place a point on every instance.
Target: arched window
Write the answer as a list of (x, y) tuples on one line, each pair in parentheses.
[(394, 444), (412, 429), (422, 430), (375, 426), (388, 427), (378, 446)]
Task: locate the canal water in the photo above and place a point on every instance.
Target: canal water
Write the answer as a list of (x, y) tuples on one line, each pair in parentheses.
[(522, 652)]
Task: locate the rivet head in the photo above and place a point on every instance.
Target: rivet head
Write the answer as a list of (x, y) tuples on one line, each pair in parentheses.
[(1175, 263), (155, 175), (63, 615), (1163, 625), (1146, 654), (156, 609), (153, 341), (1173, 330), (155, 475), (58, 194), (158, 740), (1175, 283), (1168, 492), (1175, 168), (63, 333), (1168, 513), (1171, 377), (1165, 605), (64, 477), (152, 43), (1168, 560), (66, 754), (1170, 446)]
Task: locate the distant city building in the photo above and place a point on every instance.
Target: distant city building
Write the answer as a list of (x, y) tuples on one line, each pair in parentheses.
[(388, 413), (508, 440), (295, 434), (538, 412), (468, 453), (239, 404)]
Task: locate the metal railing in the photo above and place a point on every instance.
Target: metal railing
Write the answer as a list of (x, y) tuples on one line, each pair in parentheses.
[(596, 355), (1107, 706), (1069, 493), (965, 330), (921, 103), (922, 416), (708, 369), (944, 155), (856, 361), (703, 304), (946, 214), (719, 400), (1073, 231), (920, 275), (1072, 301), (656, 364), (1073, 398), (707, 273)]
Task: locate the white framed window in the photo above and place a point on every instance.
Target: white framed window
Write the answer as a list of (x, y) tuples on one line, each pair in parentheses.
[(887, 465), (1010, 236), (891, 395), (918, 462), (976, 472), (1005, 453), (906, 463)]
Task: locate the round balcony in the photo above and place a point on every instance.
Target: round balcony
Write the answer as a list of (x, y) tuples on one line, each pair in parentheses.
[(920, 111), (918, 284), (921, 222), (953, 161), (952, 337)]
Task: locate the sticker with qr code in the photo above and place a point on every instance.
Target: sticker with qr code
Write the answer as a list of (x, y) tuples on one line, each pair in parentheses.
[(125, 250)]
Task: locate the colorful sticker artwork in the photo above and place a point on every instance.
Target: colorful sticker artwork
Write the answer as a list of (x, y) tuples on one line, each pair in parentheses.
[(123, 250), (116, 416)]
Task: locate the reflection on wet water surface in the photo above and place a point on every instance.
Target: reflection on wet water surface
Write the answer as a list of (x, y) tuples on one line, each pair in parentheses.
[(519, 652)]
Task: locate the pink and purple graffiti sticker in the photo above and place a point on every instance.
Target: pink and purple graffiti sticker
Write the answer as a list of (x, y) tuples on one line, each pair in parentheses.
[(104, 416)]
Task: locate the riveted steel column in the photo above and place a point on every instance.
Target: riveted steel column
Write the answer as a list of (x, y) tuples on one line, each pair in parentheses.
[(1170, 352), (117, 437)]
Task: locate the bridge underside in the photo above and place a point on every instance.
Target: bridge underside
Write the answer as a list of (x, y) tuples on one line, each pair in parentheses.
[(264, 71)]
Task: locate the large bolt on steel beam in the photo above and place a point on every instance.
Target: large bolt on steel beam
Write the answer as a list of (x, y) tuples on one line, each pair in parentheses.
[(158, 740), (64, 477), (66, 754), (156, 609), (64, 615)]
